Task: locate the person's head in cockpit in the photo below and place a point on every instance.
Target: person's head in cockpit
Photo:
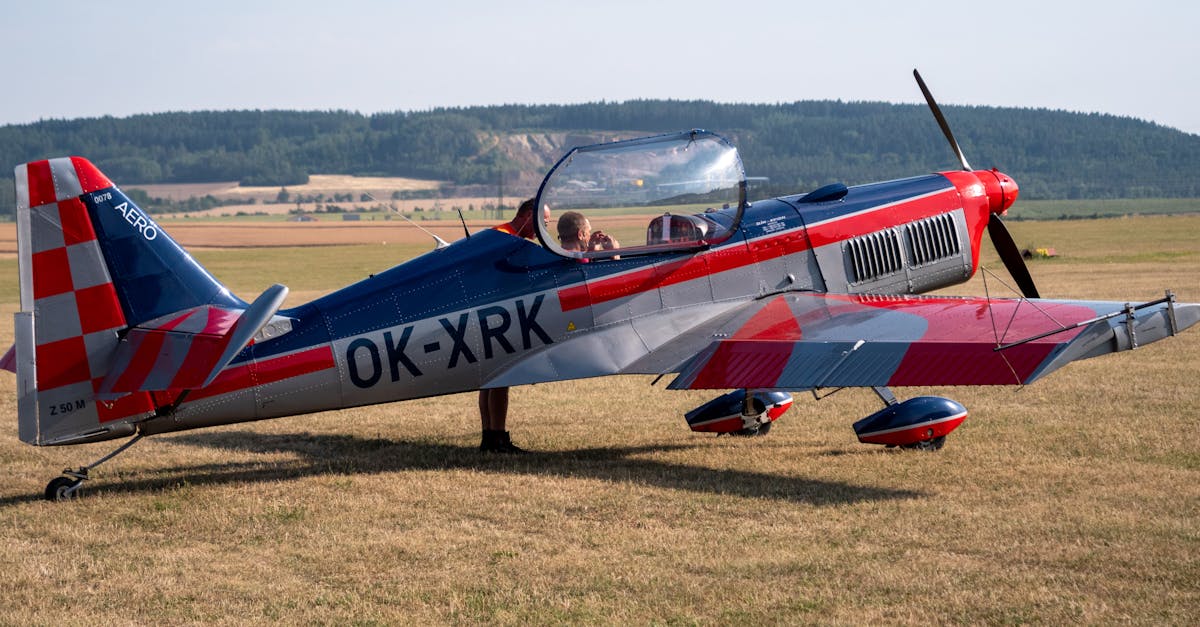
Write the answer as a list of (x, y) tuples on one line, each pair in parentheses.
[(522, 224), (575, 233)]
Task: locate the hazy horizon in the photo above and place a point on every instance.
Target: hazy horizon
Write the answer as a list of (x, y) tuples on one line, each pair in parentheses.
[(135, 56)]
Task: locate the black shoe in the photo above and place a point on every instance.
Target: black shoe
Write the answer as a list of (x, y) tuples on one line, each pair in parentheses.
[(499, 442), (509, 447)]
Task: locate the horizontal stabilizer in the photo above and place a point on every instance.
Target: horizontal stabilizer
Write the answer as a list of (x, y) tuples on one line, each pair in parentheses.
[(187, 349), (248, 325)]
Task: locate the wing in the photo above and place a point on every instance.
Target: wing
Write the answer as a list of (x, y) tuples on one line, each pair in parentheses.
[(801, 341)]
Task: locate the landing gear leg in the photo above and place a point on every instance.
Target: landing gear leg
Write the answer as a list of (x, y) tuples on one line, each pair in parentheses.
[(70, 484), (753, 413), (886, 396)]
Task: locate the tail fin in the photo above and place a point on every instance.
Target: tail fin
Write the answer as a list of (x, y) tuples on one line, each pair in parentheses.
[(92, 265)]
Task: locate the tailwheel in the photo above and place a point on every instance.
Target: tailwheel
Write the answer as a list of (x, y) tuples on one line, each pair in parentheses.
[(69, 485), (63, 488), (934, 444)]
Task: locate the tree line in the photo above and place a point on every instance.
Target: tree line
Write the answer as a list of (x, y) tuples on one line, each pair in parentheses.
[(798, 146)]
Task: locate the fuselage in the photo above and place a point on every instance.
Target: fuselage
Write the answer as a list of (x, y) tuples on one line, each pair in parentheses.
[(495, 310)]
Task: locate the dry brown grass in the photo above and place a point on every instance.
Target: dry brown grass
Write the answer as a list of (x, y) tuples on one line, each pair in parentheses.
[(1075, 500)]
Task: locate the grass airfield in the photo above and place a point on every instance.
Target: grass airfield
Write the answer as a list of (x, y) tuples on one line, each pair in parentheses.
[(1075, 500)]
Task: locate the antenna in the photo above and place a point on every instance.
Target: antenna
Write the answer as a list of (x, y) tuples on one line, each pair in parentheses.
[(441, 243), (464, 222)]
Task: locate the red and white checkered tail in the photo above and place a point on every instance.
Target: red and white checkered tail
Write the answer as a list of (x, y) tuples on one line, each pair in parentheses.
[(76, 300)]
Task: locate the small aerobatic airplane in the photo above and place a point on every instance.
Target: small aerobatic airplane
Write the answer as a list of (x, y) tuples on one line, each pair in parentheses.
[(121, 333)]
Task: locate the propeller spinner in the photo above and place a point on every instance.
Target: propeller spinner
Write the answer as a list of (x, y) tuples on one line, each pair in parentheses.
[(1001, 192)]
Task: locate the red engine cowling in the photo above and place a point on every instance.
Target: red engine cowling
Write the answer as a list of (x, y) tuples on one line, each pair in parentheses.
[(728, 413), (922, 422)]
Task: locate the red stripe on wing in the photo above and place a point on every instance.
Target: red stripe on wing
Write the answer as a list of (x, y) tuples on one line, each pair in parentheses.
[(947, 355), (751, 364), (950, 363), (775, 321), (757, 352)]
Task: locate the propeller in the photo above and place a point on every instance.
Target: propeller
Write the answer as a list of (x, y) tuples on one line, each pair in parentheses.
[(941, 120), (1001, 239), (1011, 257)]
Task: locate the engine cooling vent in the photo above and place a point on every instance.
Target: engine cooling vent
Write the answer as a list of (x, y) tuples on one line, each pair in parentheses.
[(874, 255), (932, 239)]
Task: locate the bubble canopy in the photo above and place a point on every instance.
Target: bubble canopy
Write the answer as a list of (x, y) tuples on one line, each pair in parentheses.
[(681, 191)]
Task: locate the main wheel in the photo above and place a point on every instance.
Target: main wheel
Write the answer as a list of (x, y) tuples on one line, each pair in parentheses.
[(935, 444), (762, 429), (56, 490)]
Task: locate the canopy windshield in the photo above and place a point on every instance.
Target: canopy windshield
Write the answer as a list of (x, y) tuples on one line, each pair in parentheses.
[(671, 192)]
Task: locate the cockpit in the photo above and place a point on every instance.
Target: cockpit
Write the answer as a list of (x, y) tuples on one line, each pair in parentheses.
[(682, 191)]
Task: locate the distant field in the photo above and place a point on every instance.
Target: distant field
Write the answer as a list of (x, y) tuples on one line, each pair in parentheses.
[(431, 207), (253, 234), (1076, 209), (1073, 501), (379, 186)]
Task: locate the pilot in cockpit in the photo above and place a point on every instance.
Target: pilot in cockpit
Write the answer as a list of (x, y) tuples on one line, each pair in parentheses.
[(576, 234)]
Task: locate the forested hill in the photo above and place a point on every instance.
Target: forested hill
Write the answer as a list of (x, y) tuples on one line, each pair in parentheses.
[(799, 146)]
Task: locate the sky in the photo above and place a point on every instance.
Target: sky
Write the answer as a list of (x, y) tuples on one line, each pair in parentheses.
[(76, 58)]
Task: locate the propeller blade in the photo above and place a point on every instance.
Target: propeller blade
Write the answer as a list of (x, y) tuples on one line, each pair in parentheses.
[(1011, 257), (941, 120)]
